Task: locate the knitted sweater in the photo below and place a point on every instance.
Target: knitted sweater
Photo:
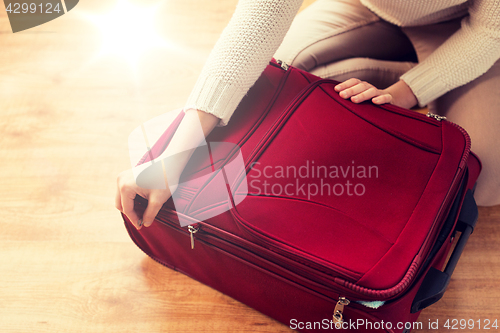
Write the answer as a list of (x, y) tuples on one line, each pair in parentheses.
[(258, 27)]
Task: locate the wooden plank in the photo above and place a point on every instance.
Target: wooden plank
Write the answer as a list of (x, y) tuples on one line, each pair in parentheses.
[(60, 286)]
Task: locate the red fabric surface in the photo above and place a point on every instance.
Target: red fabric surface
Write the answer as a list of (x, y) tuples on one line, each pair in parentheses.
[(308, 249)]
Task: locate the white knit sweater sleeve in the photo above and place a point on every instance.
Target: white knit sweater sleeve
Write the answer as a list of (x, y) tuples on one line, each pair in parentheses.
[(466, 55), (243, 50)]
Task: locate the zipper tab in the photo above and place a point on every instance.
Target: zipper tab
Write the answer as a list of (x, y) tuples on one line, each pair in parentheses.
[(282, 64), (192, 230), (435, 116), (338, 317)]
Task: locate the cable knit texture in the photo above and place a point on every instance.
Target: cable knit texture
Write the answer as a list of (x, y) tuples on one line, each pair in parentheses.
[(258, 27), (466, 55), (245, 47)]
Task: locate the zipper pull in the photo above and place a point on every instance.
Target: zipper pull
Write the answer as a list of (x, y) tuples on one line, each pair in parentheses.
[(192, 230), (435, 116), (338, 317), (282, 64)]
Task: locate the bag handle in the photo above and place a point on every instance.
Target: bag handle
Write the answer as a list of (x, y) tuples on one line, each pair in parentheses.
[(435, 282)]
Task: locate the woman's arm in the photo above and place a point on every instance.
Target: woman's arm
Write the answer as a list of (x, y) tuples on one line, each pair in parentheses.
[(246, 45), (463, 57), (359, 91)]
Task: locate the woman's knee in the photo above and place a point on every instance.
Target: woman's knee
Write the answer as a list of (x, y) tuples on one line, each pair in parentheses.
[(476, 107), (380, 73), (313, 32), (488, 190)]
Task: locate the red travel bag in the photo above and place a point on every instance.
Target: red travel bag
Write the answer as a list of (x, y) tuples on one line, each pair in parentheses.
[(343, 215)]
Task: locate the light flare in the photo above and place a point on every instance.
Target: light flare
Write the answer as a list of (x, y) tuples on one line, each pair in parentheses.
[(128, 31)]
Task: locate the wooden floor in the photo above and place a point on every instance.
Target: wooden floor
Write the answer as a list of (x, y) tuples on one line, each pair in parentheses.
[(66, 262)]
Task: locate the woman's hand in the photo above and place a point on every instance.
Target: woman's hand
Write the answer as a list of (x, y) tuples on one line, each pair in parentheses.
[(193, 129), (359, 91), (125, 194)]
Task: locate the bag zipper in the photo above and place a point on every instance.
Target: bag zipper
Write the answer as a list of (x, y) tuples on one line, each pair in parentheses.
[(192, 229), (279, 64), (435, 116), (338, 312), (282, 64)]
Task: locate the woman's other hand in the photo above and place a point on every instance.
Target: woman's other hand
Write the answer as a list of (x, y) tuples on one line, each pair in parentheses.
[(193, 129), (359, 91), (127, 191)]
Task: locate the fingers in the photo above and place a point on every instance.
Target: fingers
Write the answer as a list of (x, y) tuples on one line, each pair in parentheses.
[(128, 208), (125, 195), (382, 99), (347, 84), (354, 89), (365, 95), (118, 199), (359, 91), (154, 206)]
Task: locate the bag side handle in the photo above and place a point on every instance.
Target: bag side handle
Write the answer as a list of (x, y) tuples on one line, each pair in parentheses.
[(435, 281)]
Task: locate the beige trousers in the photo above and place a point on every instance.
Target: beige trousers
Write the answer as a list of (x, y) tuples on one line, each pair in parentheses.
[(341, 39)]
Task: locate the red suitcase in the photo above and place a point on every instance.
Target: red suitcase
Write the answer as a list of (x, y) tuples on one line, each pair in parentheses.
[(365, 253)]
